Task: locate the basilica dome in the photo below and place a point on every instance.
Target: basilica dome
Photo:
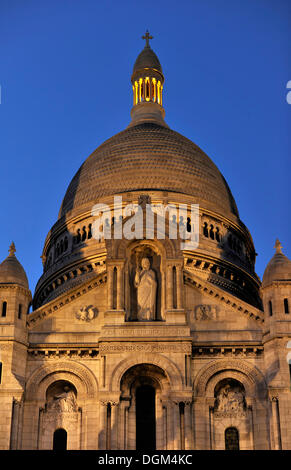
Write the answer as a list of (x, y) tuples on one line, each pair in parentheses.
[(148, 159), (149, 156)]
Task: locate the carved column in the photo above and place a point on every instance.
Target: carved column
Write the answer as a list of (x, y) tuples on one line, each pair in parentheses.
[(179, 287), (114, 425), (250, 414), (110, 287), (123, 424), (176, 426), (276, 422), (182, 425), (170, 426), (103, 425), (165, 434), (211, 428), (15, 418), (120, 301), (170, 287), (159, 423), (126, 426), (188, 426)]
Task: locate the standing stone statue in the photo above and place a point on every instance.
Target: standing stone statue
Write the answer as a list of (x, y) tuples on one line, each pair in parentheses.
[(65, 401), (146, 284)]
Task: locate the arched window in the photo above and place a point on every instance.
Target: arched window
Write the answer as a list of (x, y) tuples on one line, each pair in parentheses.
[(205, 230), (4, 309), (231, 439), (270, 308), (147, 89), (84, 234), (60, 439), (19, 311), (286, 306), (188, 226), (230, 241), (154, 91)]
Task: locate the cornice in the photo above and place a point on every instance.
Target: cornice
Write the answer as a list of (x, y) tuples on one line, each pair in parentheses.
[(227, 351), (11, 286), (283, 282)]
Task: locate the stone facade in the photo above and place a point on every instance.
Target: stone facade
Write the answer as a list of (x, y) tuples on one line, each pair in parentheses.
[(203, 343)]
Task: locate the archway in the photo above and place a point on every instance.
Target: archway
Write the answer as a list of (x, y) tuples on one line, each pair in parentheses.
[(145, 418), (231, 439), (60, 419), (142, 390), (60, 439)]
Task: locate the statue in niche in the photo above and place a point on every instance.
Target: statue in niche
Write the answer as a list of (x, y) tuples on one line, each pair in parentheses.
[(146, 285), (64, 401), (230, 401)]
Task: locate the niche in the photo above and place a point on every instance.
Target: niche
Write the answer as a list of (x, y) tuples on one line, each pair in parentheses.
[(139, 311)]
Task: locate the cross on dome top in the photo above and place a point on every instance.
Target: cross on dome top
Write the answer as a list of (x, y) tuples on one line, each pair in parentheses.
[(147, 37), (278, 246), (12, 249)]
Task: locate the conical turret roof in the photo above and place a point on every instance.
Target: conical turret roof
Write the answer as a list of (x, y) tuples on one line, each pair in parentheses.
[(11, 270), (278, 268)]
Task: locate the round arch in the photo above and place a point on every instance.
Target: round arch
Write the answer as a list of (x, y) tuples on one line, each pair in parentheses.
[(79, 375), (166, 247), (251, 378), (141, 374), (170, 369)]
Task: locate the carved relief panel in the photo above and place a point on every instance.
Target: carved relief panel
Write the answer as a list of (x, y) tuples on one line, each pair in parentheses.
[(230, 399)]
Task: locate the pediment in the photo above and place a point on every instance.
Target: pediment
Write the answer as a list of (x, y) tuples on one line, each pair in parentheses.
[(66, 300), (223, 298)]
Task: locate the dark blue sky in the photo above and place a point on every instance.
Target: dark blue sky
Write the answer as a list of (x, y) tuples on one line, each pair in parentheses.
[(65, 69)]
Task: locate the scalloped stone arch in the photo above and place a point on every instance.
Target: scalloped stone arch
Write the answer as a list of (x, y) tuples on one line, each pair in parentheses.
[(230, 374), (170, 369), (155, 373), (166, 247), (78, 374), (251, 378)]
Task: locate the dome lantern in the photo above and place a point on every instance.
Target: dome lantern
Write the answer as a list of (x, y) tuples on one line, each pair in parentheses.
[(147, 85)]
